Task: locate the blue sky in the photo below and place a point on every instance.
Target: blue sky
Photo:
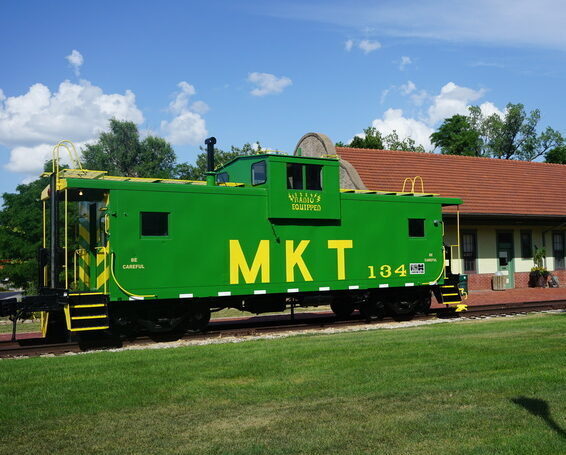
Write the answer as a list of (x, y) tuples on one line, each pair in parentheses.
[(266, 71)]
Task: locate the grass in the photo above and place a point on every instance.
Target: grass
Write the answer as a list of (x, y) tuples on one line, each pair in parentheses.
[(489, 387), (234, 313), (23, 327)]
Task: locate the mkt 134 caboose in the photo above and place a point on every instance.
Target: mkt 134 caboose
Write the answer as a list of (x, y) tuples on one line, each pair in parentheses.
[(262, 233)]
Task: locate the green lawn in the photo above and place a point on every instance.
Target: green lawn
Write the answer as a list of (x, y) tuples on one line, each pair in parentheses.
[(490, 387)]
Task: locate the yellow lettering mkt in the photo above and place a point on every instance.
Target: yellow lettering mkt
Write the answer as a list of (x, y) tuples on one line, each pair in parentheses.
[(293, 257), (238, 263), (340, 246)]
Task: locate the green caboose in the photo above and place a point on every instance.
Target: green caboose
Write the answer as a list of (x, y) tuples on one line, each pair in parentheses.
[(262, 233)]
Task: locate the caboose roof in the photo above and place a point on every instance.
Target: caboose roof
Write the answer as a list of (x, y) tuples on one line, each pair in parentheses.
[(488, 186)]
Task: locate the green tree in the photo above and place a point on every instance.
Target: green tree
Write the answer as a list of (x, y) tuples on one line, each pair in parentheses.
[(21, 233), (456, 136), (556, 155), (197, 171), (392, 142), (120, 152), (373, 139), (511, 136)]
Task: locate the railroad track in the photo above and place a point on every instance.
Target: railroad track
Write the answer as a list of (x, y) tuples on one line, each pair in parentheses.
[(266, 325)]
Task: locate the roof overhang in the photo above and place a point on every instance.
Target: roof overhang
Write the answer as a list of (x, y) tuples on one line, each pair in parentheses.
[(507, 218)]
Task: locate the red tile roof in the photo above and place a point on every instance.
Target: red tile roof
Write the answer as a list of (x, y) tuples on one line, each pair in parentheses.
[(487, 185)]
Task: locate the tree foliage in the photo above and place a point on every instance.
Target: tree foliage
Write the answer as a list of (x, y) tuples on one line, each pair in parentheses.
[(21, 233), (120, 152), (456, 136), (511, 136), (556, 155), (374, 139)]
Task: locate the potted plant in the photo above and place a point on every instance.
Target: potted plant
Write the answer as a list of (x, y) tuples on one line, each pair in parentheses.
[(539, 274)]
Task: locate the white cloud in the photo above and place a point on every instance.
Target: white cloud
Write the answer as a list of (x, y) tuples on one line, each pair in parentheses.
[(30, 160), (188, 126), (517, 23), (76, 60), (200, 107), (75, 111), (369, 46), (33, 122), (408, 88), (349, 44), (267, 84), (404, 62), (452, 100), (181, 101), (394, 120)]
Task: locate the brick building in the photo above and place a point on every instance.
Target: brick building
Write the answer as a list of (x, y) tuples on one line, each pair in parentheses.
[(510, 208)]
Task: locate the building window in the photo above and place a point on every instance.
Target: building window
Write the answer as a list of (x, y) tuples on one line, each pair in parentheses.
[(154, 224), (223, 177), (294, 176), (259, 173), (416, 227), (558, 250), (526, 244), (469, 251), (314, 177)]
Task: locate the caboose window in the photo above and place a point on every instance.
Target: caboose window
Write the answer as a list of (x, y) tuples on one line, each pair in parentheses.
[(294, 176), (259, 174), (223, 177), (416, 227), (314, 177), (154, 223)]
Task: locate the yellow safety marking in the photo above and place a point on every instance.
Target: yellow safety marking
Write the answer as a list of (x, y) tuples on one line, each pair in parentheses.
[(84, 233), (67, 311), (43, 323), (88, 317), (461, 308), (86, 293), (446, 295), (102, 278), (448, 286), (82, 329), (94, 305)]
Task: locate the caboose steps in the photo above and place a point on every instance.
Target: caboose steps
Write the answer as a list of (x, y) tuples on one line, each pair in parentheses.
[(451, 294), (87, 312)]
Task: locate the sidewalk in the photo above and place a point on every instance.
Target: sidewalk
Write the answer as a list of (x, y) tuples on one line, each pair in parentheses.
[(487, 297)]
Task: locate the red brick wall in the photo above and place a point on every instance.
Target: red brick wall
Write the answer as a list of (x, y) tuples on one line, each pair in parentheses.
[(479, 281)]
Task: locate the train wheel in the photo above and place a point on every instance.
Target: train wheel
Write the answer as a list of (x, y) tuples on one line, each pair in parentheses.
[(403, 308), (424, 304), (372, 310), (342, 310), (198, 319)]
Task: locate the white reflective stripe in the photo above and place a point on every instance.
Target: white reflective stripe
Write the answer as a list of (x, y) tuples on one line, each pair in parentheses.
[(293, 290), (261, 291), (353, 287), (409, 284), (224, 294), (185, 296), (324, 288), (383, 285), (136, 297), (432, 283)]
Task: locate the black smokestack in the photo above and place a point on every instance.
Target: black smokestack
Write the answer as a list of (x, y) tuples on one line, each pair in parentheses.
[(210, 153)]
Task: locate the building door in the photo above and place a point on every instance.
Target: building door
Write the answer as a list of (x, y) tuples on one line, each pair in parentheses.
[(558, 250), (506, 256)]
